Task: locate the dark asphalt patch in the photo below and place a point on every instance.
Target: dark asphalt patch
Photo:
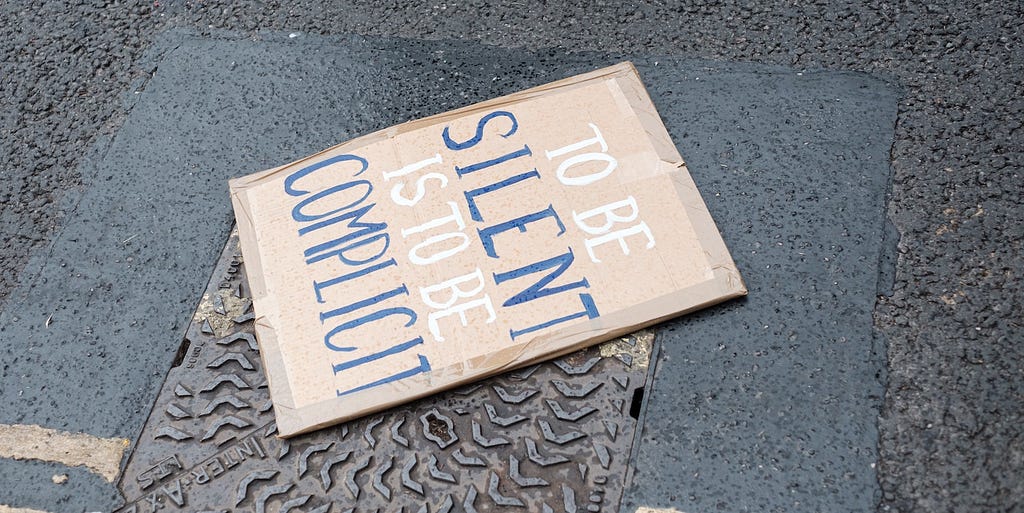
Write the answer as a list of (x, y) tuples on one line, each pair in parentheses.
[(215, 110), (771, 403)]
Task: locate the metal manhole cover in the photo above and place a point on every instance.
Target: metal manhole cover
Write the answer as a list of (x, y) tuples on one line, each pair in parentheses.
[(552, 437)]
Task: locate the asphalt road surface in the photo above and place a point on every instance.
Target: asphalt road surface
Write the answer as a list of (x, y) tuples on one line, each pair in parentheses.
[(950, 436)]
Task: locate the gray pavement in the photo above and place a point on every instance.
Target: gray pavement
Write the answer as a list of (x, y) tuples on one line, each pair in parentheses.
[(950, 436), (771, 403), (797, 183)]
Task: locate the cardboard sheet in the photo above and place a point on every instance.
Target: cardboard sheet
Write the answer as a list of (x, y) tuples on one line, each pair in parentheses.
[(446, 249)]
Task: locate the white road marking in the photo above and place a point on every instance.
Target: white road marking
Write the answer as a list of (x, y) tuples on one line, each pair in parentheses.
[(99, 455)]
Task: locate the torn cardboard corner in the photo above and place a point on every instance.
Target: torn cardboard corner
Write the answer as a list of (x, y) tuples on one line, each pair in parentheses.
[(455, 247)]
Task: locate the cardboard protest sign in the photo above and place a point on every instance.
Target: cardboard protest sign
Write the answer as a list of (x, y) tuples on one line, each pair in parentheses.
[(455, 247)]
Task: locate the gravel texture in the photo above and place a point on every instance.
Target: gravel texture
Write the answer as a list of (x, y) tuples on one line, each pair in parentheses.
[(951, 436)]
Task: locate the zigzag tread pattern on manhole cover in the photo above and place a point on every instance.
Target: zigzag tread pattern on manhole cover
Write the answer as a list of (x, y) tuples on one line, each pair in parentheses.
[(550, 437)]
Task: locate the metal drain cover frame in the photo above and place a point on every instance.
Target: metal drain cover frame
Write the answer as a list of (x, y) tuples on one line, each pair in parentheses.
[(556, 436)]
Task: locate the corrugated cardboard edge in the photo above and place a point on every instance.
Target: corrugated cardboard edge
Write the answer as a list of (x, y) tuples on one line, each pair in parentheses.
[(263, 301), (724, 282)]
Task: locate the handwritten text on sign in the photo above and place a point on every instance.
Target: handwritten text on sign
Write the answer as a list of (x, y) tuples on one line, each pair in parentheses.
[(360, 241)]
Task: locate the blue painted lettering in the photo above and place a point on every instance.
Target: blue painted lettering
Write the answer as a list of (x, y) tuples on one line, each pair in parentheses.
[(474, 211), (487, 234), (319, 286), (395, 349), (537, 290), (463, 171), (380, 314), (289, 182), (300, 216), (424, 366), (368, 232), (589, 311), (473, 141)]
